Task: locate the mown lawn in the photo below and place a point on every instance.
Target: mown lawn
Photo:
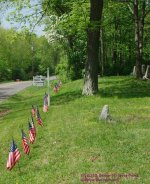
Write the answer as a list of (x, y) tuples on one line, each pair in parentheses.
[(73, 141)]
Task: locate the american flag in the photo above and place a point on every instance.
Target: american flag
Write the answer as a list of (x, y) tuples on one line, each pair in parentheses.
[(14, 156), (33, 126), (39, 120), (31, 134), (26, 147), (33, 111), (45, 106), (56, 88)]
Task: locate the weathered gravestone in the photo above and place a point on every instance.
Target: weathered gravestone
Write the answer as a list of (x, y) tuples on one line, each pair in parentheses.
[(105, 114), (147, 73), (134, 71)]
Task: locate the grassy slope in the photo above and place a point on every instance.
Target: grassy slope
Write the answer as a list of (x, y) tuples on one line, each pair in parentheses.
[(73, 141)]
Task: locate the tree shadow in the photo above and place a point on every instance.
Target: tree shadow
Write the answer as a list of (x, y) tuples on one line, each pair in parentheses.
[(66, 97), (20, 104), (125, 88)]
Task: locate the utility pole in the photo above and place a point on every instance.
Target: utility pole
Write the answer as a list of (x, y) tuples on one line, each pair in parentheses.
[(48, 85), (32, 48)]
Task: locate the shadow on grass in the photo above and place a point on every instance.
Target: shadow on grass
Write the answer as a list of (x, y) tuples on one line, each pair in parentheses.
[(66, 97), (19, 103), (125, 88), (121, 87)]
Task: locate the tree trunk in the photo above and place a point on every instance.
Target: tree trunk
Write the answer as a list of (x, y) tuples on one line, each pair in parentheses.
[(93, 33), (101, 58), (114, 49), (139, 25), (141, 32)]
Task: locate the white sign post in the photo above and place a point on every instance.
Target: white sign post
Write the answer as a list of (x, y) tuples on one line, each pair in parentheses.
[(48, 85)]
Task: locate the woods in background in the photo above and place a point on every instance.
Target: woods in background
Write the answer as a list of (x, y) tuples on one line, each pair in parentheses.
[(23, 55), (123, 41)]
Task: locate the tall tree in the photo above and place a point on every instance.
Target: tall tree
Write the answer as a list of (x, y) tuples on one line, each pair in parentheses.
[(93, 33), (139, 10)]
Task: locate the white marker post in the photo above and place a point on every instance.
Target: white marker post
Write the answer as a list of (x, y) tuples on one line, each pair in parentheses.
[(48, 85)]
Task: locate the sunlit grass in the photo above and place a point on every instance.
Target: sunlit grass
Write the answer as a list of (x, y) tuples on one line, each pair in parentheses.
[(73, 141)]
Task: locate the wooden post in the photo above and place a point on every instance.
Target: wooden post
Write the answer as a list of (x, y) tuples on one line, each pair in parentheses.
[(32, 48), (48, 85)]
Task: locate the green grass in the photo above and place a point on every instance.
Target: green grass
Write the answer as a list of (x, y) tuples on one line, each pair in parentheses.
[(73, 141)]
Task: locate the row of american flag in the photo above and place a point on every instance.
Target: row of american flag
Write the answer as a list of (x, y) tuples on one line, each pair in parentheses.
[(57, 86), (14, 153)]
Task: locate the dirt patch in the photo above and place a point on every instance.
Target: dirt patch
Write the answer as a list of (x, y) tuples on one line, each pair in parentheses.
[(4, 112)]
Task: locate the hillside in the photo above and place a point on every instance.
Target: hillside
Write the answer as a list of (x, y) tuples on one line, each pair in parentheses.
[(73, 141)]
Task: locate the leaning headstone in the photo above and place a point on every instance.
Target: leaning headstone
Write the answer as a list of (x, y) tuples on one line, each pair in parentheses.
[(105, 114), (147, 73)]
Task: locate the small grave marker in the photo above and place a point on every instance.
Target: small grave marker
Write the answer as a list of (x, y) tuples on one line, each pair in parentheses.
[(105, 113)]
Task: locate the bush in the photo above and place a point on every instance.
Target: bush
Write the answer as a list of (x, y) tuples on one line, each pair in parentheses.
[(19, 73), (5, 71), (61, 71)]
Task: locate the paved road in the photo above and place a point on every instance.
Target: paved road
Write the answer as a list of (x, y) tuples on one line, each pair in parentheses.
[(9, 89)]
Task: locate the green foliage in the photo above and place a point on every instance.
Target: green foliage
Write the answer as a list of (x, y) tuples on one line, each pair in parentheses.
[(66, 25), (61, 70), (5, 71), (22, 52), (68, 28), (19, 73)]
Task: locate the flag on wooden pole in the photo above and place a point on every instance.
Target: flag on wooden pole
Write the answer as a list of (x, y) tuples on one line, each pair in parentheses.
[(45, 106), (38, 117), (26, 147), (14, 156), (33, 111), (31, 134)]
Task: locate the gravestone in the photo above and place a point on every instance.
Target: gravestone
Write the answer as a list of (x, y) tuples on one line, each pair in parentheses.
[(134, 71), (147, 73), (105, 114)]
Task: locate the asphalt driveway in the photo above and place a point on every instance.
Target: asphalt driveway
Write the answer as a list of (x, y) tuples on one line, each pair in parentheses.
[(9, 89)]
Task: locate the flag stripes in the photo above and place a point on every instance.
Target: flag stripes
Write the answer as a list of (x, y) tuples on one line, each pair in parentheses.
[(31, 134), (14, 156), (26, 147), (38, 117)]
